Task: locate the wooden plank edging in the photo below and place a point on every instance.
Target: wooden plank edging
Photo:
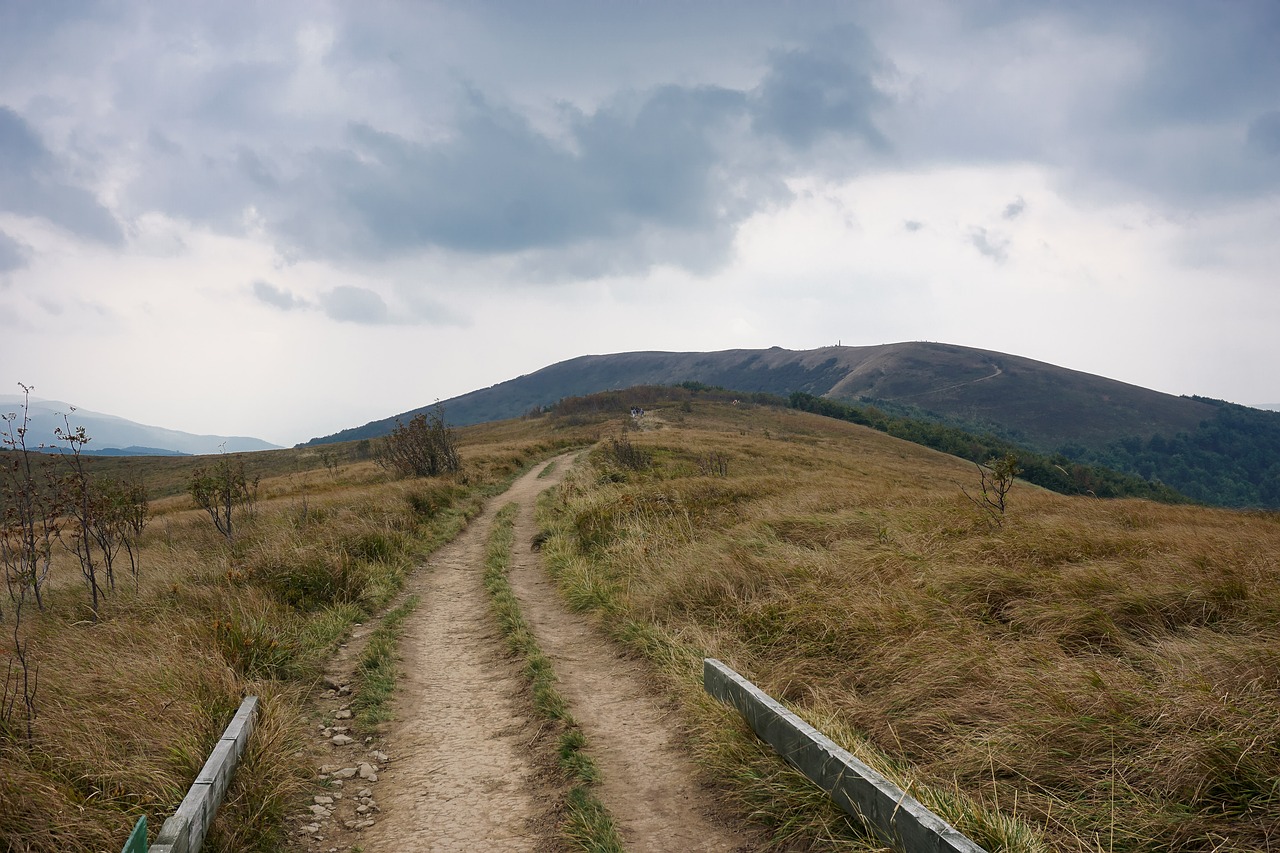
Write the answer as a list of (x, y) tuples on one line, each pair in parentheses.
[(898, 818), (185, 831)]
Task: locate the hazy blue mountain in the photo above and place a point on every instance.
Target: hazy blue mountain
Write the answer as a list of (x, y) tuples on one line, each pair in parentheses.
[(112, 435)]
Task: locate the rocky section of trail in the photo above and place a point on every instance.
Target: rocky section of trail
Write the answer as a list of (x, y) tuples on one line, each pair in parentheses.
[(344, 805)]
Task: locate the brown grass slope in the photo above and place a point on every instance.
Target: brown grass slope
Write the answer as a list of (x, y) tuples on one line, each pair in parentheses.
[(129, 706), (1048, 405), (1106, 673)]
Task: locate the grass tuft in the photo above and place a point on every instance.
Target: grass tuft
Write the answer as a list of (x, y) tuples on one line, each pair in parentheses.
[(377, 667), (587, 823)]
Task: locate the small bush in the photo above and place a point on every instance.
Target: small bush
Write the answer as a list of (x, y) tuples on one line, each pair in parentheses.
[(424, 447), (627, 455), (595, 526), (714, 463), (373, 546), (224, 491)]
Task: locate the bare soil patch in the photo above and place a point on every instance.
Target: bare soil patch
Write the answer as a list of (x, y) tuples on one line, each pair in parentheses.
[(462, 776)]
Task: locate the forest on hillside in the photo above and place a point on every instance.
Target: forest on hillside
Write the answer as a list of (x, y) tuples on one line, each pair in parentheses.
[(1053, 471), (1231, 459)]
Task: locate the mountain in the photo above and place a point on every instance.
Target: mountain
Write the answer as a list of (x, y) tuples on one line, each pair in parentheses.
[(1210, 450), (1040, 403), (115, 436)]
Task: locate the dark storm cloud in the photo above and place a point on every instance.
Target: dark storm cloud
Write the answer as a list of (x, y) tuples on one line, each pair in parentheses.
[(822, 90), (992, 245), (657, 160), (13, 255), (162, 145), (1144, 100), (355, 305), (1205, 62), (256, 170), (661, 175), (32, 184), (348, 139), (27, 29), (21, 146), (1207, 72), (278, 297)]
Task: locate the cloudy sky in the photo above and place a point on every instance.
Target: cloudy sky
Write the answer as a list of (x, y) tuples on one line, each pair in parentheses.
[(285, 218)]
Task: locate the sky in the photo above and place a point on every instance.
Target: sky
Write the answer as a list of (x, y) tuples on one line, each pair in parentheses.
[(286, 218)]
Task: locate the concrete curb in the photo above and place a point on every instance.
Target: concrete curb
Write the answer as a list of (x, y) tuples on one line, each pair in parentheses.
[(186, 830), (899, 819)]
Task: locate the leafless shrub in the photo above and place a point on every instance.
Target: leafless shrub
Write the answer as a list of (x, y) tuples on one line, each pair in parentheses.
[(31, 516), (28, 526), (627, 455), (996, 479), (81, 507), (424, 447), (224, 491)]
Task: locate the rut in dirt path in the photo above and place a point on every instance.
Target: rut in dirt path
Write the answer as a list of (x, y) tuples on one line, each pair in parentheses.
[(462, 777), (648, 783)]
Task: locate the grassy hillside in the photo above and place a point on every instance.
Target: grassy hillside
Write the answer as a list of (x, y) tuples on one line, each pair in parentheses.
[(128, 706), (1081, 675), (1216, 452), (1055, 472), (1040, 404), (1088, 675), (1231, 458)]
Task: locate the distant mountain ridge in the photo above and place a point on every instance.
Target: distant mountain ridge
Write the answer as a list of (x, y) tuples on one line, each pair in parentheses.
[(1044, 404), (111, 435), (1210, 450)]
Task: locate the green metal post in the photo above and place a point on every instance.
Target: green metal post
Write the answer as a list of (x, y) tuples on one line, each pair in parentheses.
[(137, 842)]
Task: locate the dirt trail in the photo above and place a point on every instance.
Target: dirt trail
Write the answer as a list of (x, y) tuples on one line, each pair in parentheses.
[(647, 781), (461, 775), (998, 371)]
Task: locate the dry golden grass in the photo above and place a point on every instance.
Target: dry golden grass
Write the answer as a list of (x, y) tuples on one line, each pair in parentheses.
[(1106, 671), (129, 706)]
